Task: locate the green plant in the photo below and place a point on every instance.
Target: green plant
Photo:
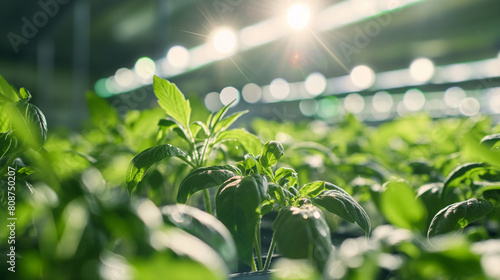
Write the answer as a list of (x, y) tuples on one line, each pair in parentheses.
[(201, 137), (70, 223), (245, 194), (300, 229), (429, 187)]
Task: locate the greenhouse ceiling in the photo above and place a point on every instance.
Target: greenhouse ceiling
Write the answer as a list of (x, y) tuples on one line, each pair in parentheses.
[(62, 48)]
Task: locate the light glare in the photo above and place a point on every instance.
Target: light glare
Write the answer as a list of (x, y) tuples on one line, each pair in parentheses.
[(224, 41), (298, 16)]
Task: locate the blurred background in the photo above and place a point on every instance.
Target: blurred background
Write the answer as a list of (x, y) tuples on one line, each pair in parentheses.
[(283, 60)]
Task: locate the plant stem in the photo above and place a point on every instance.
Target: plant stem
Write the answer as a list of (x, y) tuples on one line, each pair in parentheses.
[(254, 268), (270, 253), (208, 203), (258, 246)]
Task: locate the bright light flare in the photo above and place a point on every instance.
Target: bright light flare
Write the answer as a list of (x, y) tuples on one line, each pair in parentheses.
[(224, 40), (298, 16)]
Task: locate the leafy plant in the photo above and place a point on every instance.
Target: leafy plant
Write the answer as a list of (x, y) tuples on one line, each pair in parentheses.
[(201, 137), (300, 229), (250, 188)]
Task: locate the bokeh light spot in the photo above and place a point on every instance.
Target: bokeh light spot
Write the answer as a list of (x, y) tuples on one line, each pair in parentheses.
[(228, 94), (251, 93), (178, 56), (315, 84), (362, 76), (354, 103), (453, 96), (279, 88), (414, 100), (469, 106), (422, 69), (212, 102)]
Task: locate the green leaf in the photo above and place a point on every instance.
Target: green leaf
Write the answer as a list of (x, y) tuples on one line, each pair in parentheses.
[(171, 99), (214, 120), (238, 204), (166, 123), (430, 195), (318, 148), (490, 140), (250, 142), (461, 172), (249, 165), (271, 153), (102, 114), (197, 125), (5, 123), (340, 203), (25, 95), (143, 161), (204, 178), (204, 226), (7, 92), (490, 191), (312, 189), (284, 175), (371, 169), (8, 144), (302, 233), (28, 124), (401, 207), (26, 171), (227, 122), (161, 263), (197, 260), (281, 195), (458, 215)]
